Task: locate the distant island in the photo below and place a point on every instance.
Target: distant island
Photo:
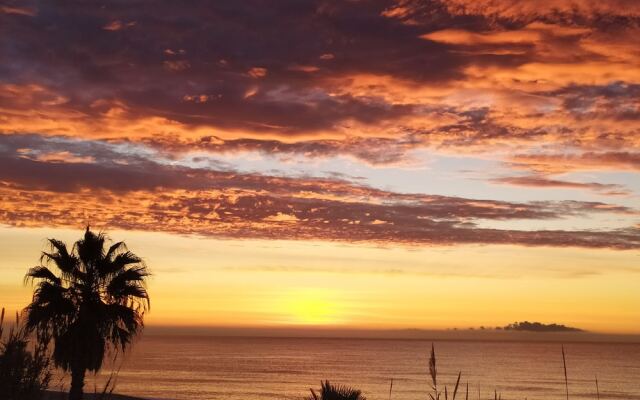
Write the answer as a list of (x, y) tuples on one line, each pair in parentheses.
[(527, 326), (539, 327)]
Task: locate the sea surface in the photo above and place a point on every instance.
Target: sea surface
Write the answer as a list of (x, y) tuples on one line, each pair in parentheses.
[(197, 367)]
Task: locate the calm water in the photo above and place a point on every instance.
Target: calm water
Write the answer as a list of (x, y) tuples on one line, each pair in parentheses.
[(168, 367)]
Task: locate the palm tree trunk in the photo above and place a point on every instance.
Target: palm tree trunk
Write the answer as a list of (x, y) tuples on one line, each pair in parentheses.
[(77, 383)]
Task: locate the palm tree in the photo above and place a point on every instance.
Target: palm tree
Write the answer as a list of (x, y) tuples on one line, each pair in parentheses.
[(329, 391), (95, 304)]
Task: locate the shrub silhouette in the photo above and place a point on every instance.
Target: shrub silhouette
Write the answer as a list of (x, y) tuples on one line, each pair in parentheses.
[(24, 375)]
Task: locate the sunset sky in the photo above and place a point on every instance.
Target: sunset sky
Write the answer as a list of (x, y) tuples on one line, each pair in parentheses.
[(355, 164)]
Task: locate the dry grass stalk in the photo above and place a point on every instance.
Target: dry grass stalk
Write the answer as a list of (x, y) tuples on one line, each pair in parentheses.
[(455, 390), (566, 381), (433, 371)]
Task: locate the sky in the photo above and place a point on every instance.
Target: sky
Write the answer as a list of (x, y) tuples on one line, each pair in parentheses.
[(358, 164)]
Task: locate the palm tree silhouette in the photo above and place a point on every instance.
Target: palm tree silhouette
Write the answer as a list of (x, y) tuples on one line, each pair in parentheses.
[(329, 391), (94, 305)]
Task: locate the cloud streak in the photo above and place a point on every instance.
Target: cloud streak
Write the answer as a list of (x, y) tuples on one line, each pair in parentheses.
[(133, 192), (541, 181), (243, 214)]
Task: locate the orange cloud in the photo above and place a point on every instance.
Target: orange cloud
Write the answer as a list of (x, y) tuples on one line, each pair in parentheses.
[(304, 68), (64, 157), (541, 181), (28, 12), (589, 161), (115, 25), (257, 72), (514, 9), (530, 34), (546, 87)]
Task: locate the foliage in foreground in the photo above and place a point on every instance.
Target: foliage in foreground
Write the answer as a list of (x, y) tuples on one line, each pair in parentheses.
[(335, 392), (329, 391), (24, 375)]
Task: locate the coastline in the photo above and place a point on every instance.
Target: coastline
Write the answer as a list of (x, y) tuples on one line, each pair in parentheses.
[(394, 334)]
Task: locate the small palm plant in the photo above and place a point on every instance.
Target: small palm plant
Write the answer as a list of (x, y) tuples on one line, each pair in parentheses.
[(95, 304), (335, 392)]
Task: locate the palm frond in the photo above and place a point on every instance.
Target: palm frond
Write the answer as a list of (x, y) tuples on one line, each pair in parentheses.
[(125, 277), (114, 249), (49, 308), (122, 323), (59, 246), (42, 272), (130, 293), (67, 263), (90, 248), (108, 267)]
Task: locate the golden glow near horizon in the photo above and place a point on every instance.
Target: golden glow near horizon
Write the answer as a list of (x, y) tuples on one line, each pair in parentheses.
[(207, 282), (438, 164), (309, 307)]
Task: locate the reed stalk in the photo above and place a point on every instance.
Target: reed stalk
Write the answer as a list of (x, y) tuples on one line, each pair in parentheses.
[(566, 381)]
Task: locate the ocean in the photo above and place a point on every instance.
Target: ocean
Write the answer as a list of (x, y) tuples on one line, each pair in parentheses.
[(200, 367)]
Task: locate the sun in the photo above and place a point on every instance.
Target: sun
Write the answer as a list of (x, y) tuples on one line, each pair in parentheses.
[(312, 307)]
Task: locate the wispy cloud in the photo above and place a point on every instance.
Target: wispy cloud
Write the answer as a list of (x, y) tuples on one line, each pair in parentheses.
[(542, 181)]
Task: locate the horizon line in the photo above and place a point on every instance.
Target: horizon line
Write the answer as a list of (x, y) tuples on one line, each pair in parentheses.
[(388, 333)]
